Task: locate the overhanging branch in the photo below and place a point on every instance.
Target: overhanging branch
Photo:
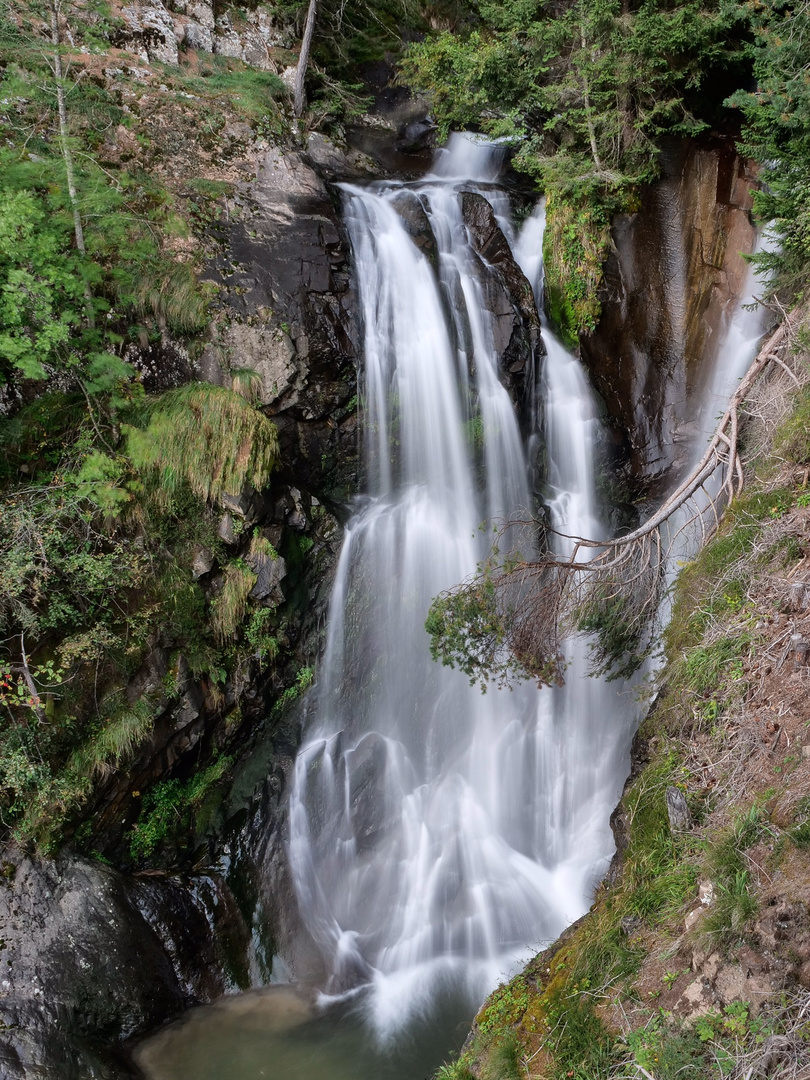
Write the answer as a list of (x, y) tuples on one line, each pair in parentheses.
[(611, 588)]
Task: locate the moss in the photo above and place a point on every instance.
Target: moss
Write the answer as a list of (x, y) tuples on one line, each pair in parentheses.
[(575, 245)]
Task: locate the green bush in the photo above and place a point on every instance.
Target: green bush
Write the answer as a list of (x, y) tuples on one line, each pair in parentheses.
[(169, 806)]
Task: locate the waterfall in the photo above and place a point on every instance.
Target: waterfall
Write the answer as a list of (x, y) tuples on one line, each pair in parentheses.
[(736, 350), (438, 834)]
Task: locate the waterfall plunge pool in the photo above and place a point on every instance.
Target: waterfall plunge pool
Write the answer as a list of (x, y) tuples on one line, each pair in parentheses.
[(276, 1033)]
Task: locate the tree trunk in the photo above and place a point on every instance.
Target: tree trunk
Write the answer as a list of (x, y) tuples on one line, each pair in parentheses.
[(63, 130), (588, 111), (67, 156), (306, 42)]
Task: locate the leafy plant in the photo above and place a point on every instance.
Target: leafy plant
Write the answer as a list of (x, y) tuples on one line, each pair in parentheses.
[(169, 804), (303, 680)]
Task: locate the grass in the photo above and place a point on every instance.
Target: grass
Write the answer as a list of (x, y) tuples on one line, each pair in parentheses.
[(792, 438), (207, 437), (454, 1070), (115, 741), (254, 92), (734, 903), (229, 607), (706, 667), (504, 1059), (715, 582), (800, 833), (227, 88), (172, 294)]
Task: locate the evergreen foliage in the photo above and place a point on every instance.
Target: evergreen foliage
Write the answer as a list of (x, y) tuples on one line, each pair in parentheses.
[(777, 133), (583, 87), (584, 90)]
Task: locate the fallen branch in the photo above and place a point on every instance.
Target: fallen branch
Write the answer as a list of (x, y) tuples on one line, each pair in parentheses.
[(609, 588)]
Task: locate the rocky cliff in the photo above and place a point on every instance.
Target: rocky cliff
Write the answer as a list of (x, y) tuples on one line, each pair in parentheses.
[(673, 275)]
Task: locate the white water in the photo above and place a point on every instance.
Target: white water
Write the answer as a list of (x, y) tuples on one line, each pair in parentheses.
[(736, 352), (437, 835), (737, 349)]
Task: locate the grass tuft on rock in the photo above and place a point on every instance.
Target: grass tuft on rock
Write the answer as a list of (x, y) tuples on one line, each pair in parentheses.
[(207, 437)]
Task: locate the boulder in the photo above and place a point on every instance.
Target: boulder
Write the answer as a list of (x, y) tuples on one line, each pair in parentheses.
[(92, 958), (270, 572)]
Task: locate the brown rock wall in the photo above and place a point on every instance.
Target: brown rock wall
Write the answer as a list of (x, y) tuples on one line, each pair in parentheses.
[(674, 275)]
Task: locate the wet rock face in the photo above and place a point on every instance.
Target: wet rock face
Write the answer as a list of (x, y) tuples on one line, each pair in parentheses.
[(509, 299), (674, 274), (411, 209), (76, 966), (91, 958)]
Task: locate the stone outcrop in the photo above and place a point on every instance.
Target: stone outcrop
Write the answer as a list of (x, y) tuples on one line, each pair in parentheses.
[(156, 31), (287, 316), (83, 968), (673, 276), (509, 300)]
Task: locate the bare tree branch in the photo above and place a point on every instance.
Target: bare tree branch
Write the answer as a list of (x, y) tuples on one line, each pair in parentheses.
[(609, 587)]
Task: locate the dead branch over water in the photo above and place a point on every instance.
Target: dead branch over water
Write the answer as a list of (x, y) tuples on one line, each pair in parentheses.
[(610, 587)]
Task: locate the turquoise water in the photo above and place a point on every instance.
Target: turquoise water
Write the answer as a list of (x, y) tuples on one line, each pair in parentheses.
[(274, 1033)]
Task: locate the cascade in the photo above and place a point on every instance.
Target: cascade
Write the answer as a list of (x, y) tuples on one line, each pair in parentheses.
[(438, 834), (736, 350)]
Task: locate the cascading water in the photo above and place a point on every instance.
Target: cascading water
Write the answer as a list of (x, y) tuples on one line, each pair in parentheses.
[(436, 833), (736, 350)]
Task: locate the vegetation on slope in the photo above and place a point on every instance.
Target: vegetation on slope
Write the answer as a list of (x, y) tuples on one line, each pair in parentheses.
[(110, 483)]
